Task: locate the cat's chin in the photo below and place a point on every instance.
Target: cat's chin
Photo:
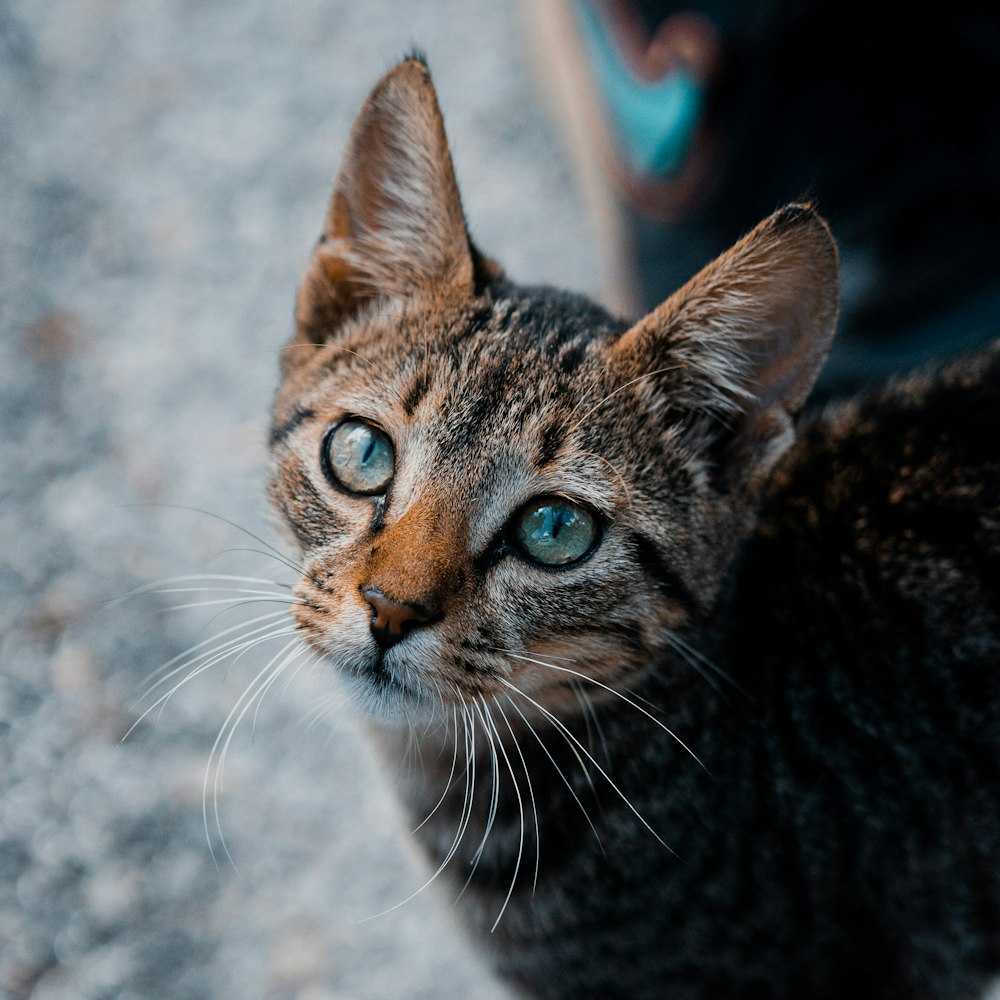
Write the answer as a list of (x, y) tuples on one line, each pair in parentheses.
[(378, 688), (388, 702)]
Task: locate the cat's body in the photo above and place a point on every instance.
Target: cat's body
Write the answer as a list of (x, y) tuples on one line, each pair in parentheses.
[(845, 840), (735, 694)]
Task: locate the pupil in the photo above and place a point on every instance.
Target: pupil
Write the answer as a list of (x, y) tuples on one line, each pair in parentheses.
[(368, 451), (557, 522)]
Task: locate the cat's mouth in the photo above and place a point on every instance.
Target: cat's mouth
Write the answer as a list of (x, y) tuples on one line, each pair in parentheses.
[(449, 664), (417, 673), (429, 667), (385, 681), (383, 684)]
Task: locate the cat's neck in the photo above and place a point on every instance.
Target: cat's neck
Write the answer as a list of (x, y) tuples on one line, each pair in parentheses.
[(482, 791)]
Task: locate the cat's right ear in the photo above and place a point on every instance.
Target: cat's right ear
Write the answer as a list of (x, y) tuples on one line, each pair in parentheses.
[(738, 348), (395, 228)]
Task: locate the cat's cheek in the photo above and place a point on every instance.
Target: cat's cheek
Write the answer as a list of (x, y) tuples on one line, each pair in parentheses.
[(337, 630)]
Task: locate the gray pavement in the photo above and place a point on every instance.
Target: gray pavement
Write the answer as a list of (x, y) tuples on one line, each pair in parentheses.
[(164, 167)]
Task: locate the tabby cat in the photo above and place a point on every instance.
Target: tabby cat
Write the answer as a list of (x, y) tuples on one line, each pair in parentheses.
[(706, 695)]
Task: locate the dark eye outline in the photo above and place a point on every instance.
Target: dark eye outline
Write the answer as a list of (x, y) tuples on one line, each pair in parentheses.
[(327, 466), (513, 545)]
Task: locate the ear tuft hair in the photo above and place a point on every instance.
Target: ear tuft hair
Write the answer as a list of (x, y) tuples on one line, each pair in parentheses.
[(416, 54)]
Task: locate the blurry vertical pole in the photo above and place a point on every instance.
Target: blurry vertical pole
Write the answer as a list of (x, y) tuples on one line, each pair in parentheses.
[(630, 102)]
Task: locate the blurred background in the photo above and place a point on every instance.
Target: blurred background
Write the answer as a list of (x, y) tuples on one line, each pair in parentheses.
[(164, 169)]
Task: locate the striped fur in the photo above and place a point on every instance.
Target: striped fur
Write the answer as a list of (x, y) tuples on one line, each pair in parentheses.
[(496, 394), (763, 867)]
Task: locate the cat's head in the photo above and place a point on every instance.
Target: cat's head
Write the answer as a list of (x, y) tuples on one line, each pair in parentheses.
[(489, 483)]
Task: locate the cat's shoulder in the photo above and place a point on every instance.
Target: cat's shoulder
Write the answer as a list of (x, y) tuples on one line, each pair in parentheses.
[(935, 430), (900, 486)]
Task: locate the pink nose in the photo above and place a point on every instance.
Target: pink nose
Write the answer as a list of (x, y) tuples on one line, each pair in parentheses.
[(393, 620)]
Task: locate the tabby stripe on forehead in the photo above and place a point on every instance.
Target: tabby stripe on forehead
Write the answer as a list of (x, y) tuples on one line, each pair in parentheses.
[(278, 434), (478, 408), (420, 387), (648, 557), (571, 357), (552, 439)]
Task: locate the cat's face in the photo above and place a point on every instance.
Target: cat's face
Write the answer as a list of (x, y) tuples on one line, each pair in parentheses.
[(510, 497), (497, 488)]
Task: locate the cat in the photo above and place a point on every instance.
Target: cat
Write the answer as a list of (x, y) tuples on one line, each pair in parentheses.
[(705, 691)]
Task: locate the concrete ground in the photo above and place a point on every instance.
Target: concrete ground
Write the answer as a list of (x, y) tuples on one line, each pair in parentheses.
[(164, 167)]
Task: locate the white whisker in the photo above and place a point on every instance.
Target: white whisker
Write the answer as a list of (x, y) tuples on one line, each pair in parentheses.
[(621, 388), (224, 738), (267, 555), (559, 770), (272, 551), (271, 599), (235, 646), (617, 694), (687, 651), (463, 820), (170, 581), (494, 794), (210, 658), (531, 794), (260, 700), (210, 590), (590, 715), (622, 481), (204, 642), (520, 810), (322, 707), (607, 778), (309, 659), (451, 775)]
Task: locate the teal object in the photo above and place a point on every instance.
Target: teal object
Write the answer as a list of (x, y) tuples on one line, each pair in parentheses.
[(555, 532), (655, 122), (361, 457)]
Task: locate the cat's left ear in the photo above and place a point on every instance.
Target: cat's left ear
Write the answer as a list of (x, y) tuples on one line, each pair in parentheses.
[(738, 348), (395, 228)]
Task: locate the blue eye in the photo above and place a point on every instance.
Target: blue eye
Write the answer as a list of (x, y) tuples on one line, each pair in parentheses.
[(555, 532), (360, 457)]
